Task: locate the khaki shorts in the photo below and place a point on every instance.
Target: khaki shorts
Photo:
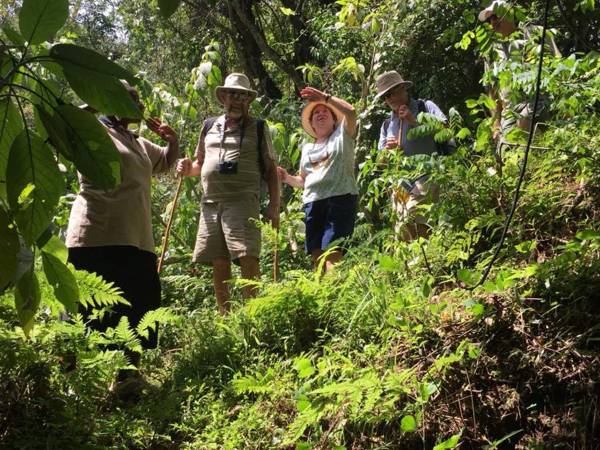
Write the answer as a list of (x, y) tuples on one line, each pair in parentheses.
[(228, 229), (405, 204)]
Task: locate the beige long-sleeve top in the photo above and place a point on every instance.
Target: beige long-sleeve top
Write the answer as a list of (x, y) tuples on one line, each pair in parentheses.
[(121, 216)]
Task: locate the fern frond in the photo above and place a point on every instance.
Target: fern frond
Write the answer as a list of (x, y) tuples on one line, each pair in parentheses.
[(455, 120), (153, 318), (124, 335), (259, 384), (96, 292)]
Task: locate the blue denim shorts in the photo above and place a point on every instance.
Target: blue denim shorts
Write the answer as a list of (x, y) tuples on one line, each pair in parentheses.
[(328, 220)]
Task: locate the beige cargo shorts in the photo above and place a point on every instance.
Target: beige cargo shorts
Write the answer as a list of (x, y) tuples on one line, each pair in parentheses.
[(228, 229), (405, 204)]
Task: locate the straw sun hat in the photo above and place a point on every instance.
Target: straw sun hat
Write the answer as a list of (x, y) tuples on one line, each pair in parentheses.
[(307, 115)]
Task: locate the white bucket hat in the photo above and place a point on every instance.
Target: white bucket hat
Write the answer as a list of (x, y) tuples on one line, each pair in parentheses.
[(235, 82), (389, 80)]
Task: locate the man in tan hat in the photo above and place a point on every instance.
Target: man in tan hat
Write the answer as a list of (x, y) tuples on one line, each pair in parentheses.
[(393, 90), (234, 152)]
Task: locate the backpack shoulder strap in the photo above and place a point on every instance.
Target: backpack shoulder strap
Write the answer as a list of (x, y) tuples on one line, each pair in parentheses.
[(260, 132), (208, 123), (386, 125)]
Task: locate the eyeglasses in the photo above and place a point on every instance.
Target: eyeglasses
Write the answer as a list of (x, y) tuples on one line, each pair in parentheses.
[(391, 92), (237, 95)]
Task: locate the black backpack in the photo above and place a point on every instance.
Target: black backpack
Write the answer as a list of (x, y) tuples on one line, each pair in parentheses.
[(260, 127), (443, 148)]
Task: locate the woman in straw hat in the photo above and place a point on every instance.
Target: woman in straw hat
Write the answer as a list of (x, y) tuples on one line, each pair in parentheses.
[(326, 173)]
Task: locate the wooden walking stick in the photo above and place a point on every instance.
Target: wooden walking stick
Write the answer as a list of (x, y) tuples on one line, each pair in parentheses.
[(169, 223), (276, 255), (165, 241), (276, 250)]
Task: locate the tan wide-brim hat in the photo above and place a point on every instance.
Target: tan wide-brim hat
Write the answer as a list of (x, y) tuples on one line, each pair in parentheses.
[(497, 7), (235, 82), (389, 80), (307, 113)]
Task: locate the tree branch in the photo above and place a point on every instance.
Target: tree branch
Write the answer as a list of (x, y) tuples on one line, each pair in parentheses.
[(258, 37)]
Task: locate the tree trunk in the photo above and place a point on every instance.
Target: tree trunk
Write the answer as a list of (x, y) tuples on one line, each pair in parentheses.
[(253, 36)]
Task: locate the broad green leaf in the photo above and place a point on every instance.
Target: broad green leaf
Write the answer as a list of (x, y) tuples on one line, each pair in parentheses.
[(103, 93), (62, 281), (10, 127), (168, 7), (39, 20), (27, 300), (449, 443), (9, 249), (82, 139), (304, 367), (13, 35), (287, 11), (302, 403), (6, 65), (474, 307), (389, 264), (95, 79), (587, 235), (31, 163), (408, 424), (470, 278), (73, 58), (57, 248)]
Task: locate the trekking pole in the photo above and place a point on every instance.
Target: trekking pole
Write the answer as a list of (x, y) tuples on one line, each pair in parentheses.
[(169, 223)]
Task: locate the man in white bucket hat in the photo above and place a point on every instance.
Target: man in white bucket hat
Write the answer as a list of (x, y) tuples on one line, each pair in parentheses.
[(393, 90), (234, 152)]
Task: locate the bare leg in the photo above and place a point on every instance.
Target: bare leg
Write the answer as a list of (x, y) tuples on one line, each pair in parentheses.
[(221, 275), (250, 271), (332, 259), (315, 255)]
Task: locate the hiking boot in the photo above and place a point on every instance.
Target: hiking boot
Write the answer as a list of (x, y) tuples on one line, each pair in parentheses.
[(129, 389)]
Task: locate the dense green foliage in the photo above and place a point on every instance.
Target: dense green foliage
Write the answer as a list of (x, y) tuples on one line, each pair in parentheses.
[(399, 347)]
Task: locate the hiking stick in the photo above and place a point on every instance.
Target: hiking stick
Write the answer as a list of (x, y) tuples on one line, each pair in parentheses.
[(276, 255), (169, 223), (400, 136), (276, 250), (177, 192)]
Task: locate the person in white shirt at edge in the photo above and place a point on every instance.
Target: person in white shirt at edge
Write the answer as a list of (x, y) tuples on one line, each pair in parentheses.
[(326, 174)]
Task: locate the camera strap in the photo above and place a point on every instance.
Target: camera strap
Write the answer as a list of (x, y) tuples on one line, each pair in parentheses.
[(260, 127)]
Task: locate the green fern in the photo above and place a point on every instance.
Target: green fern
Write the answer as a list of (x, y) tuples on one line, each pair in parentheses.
[(124, 335), (455, 121), (96, 292), (153, 318), (254, 384)]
